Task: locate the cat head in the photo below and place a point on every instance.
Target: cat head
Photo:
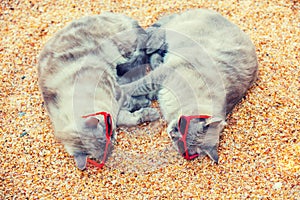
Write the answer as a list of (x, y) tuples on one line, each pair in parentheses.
[(89, 141), (202, 136)]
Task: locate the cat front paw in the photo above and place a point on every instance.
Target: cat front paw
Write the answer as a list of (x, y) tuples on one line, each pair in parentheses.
[(139, 102)]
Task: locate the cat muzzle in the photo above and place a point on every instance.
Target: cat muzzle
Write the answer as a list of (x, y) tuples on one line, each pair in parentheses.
[(108, 134), (183, 125)]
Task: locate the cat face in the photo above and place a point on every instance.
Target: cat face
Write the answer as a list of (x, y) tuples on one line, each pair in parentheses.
[(91, 141), (201, 136)]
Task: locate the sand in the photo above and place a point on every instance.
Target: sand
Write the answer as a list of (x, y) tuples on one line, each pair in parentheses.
[(259, 149)]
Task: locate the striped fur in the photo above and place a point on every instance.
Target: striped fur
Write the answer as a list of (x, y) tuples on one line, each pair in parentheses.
[(78, 76), (205, 66)]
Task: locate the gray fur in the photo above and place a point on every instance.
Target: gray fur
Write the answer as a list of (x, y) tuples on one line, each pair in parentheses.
[(78, 76), (208, 67)]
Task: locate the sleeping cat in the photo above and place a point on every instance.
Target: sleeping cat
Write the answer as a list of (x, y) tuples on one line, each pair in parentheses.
[(77, 72), (203, 65)]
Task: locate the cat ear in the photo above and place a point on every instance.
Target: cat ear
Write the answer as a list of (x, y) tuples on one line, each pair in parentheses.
[(212, 153), (80, 160), (172, 127), (214, 127), (91, 122), (215, 121)]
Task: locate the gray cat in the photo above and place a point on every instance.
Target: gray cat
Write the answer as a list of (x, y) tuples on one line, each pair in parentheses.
[(78, 73), (203, 65)]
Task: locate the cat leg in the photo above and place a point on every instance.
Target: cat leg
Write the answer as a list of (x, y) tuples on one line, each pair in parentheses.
[(149, 83), (152, 95), (135, 103), (139, 102), (126, 118)]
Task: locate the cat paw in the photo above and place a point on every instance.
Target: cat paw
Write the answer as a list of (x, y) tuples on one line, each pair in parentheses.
[(152, 96), (139, 102)]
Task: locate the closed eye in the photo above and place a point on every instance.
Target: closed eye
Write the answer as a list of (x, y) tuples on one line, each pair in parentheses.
[(175, 129), (205, 128)]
